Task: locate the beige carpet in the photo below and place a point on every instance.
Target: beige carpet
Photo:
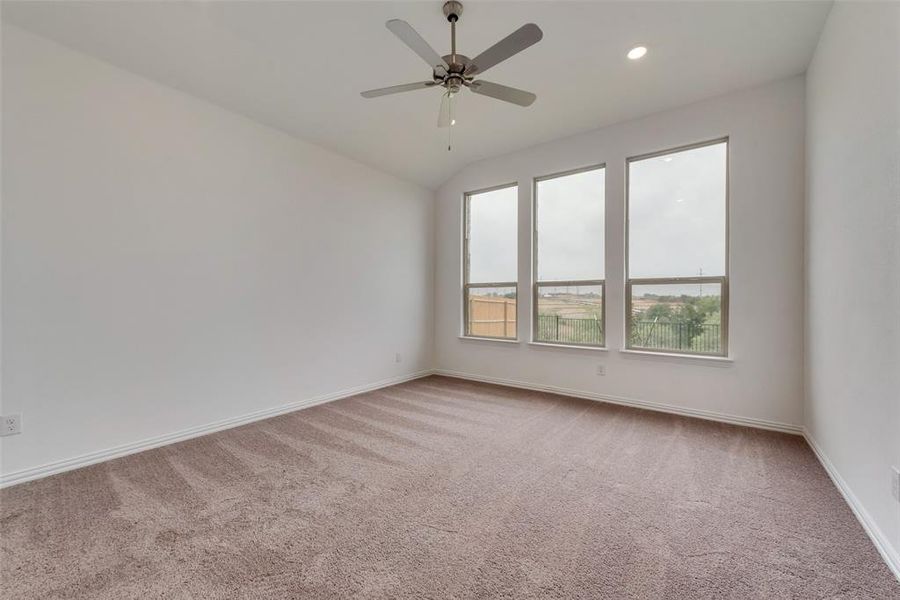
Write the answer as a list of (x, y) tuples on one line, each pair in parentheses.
[(440, 488)]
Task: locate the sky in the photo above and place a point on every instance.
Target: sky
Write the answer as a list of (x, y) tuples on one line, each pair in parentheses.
[(571, 229), (492, 236), (676, 214), (676, 222)]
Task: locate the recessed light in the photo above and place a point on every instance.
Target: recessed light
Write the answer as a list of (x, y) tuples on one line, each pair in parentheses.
[(667, 159), (637, 52)]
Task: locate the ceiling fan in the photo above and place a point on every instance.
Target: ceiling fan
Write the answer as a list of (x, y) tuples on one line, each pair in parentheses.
[(455, 71)]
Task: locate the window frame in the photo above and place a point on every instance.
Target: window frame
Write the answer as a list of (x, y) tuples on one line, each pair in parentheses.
[(536, 283), (466, 286), (722, 280)]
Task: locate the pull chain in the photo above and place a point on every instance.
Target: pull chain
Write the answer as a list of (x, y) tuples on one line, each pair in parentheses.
[(452, 120)]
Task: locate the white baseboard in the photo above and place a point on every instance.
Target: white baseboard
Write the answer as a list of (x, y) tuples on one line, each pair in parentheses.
[(69, 464), (888, 552), (709, 415)]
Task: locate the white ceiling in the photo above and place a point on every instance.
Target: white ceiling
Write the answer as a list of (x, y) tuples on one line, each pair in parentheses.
[(299, 66)]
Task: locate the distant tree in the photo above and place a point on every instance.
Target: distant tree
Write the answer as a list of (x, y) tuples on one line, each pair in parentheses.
[(691, 316), (658, 312), (709, 304)]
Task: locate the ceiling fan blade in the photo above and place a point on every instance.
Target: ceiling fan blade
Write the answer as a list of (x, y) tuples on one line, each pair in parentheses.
[(445, 116), (396, 89), (518, 40), (411, 38), (503, 92)]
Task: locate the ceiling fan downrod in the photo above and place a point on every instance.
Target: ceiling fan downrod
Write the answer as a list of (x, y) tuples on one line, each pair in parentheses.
[(453, 10), (454, 77)]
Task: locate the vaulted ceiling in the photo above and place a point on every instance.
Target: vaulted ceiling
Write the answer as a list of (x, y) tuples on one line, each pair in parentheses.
[(299, 66)]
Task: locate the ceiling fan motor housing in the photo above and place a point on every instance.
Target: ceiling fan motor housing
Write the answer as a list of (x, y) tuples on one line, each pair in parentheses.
[(453, 10), (457, 67)]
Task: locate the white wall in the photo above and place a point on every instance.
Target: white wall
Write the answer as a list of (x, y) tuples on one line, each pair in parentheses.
[(168, 264), (853, 256), (764, 381)]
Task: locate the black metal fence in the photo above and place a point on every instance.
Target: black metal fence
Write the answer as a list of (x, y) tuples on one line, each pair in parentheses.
[(660, 335), (553, 328), (665, 335)]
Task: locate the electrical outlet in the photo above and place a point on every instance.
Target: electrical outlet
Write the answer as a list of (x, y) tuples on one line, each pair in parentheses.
[(10, 425), (895, 483), (398, 358), (601, 370)]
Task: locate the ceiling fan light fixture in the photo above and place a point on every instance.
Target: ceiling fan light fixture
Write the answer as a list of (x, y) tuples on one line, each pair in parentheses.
[(455, 71), (637, 52)]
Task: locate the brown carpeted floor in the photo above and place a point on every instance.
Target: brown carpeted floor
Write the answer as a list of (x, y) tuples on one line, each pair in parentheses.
[(441, 488)]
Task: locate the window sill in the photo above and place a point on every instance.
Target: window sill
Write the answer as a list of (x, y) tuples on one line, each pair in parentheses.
[(488, 339), (569, 346), (717, 361)]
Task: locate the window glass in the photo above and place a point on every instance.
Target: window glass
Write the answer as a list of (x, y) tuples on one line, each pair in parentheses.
[(676, 214), (676, 317), (490, 242), (493, 235), (677, 286), (570, 226), (570, 314), (569, 257), (491, 312)]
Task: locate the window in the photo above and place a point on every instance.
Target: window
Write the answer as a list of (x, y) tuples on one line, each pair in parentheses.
[(677, 250), (490, 265), (569, 266)]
